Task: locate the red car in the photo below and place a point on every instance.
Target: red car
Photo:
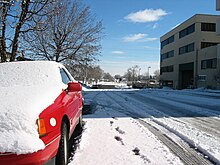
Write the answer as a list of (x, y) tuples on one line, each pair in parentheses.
[(44, 90)]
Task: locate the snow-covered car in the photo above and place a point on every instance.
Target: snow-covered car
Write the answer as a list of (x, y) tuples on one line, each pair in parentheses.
[(40, 106)]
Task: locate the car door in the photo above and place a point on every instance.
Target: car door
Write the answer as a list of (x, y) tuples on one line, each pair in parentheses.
[(70, 101)]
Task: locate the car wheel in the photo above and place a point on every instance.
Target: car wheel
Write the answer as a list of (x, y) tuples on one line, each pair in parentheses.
[(62, 155)]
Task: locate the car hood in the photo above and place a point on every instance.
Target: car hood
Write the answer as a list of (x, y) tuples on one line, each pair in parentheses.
[(19, 109)]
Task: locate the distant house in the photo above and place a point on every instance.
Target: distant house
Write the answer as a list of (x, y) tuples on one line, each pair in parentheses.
[(190, 54)]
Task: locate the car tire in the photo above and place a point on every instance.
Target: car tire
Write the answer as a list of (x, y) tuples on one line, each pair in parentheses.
[(62, 154), (80, 124)]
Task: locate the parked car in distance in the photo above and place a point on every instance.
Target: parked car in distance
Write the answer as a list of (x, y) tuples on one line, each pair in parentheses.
[(40, 107)]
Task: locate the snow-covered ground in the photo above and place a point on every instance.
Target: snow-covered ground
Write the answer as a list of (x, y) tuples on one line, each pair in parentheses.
[(121, 129)]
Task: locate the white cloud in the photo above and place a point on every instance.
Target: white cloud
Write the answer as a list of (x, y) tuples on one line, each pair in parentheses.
[(118, 52), (138, 38), (134, 37), (152, 48), (147, 15)]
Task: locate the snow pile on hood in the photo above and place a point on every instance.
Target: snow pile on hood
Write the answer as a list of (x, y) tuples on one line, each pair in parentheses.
[(26, 89)]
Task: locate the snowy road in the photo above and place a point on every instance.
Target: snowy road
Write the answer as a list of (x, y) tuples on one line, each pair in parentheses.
[(151, 127)]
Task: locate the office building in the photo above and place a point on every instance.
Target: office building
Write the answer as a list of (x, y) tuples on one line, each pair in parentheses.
[(190, 54)]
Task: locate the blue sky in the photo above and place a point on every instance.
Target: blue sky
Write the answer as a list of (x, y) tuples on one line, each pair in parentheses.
[(132, 29)]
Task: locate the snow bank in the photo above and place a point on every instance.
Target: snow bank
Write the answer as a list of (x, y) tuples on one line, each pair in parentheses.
[(26, 89)]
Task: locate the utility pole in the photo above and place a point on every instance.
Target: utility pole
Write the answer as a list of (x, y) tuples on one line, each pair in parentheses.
[(139, 74), (148, 76)]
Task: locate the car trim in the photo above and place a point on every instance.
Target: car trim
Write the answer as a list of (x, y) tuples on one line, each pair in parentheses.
[(2, 154), (53, 141)]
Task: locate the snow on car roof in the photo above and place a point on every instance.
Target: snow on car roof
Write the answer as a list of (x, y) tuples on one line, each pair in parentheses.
[(28, 73), (26, 89)]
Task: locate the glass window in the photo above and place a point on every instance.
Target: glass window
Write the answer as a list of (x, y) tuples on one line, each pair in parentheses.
[(203, 64), (167, 41), (170, 68), (163, 56), (182, 50), (202, 78), (64, 76), (167, 55), (190, 47), (182, 33), (171, 39), (190, 29), (186, 49), (209, 64), (211, 27), (166, 69), (214, 63), (170, 54), (207, 44)]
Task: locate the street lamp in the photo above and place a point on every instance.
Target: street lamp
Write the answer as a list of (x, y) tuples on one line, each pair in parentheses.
[(148, 76), (149, 72), (139, 74)]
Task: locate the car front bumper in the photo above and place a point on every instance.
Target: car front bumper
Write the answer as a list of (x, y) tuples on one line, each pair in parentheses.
[(36, 158)]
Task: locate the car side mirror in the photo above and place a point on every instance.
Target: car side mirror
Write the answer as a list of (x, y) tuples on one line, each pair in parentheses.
[(74, 87)]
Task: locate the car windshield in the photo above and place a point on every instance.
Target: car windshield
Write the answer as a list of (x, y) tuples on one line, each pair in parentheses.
[(28, 74)]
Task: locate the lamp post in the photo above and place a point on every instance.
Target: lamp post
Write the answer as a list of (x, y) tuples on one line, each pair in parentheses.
[(139, 74), (148, 76)]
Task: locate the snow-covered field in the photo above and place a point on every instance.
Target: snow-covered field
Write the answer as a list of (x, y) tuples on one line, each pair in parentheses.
[(151, 126)]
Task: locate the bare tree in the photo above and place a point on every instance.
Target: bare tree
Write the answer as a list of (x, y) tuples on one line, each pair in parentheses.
[(128, 75), (108, 77), (94, 73), (18, 17), (157, 75), (132, 73), (72, 35)]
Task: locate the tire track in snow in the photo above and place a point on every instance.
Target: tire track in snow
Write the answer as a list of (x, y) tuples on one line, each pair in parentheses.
[(188, 155), (212, 109), (197, 116), (212, 150)]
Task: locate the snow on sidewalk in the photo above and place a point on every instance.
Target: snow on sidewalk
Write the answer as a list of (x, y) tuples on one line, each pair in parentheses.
[(113, 138)]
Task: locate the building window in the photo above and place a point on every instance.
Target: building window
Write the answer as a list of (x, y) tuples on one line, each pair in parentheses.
[(210, 27), (168, 83), (202, 77), (209, 64), (166, 69), (167, 55), (187, 31), (207, 44), (186, 49), (203, 64), (167, 41)]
